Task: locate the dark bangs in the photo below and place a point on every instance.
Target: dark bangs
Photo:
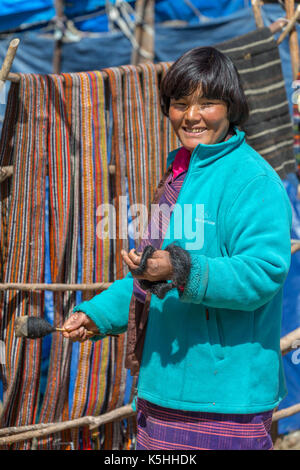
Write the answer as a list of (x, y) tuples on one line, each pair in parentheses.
[(215, 73)]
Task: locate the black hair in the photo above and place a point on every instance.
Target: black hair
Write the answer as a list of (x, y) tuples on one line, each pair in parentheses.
[(214, 72)]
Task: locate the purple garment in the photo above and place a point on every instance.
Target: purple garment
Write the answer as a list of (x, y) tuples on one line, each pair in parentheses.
[(159, 222), (164, 428)]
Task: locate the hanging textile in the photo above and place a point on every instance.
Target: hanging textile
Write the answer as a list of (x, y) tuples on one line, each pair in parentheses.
[(25, 252), (59, 171), (269, 128), (170, 140), (59, 124), (91, 385)]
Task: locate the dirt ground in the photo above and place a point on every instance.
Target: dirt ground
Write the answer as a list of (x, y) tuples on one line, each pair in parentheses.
[(288, 442)]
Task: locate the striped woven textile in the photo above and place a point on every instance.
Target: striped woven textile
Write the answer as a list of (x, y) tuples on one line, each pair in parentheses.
[(24, 262), (57, 122), (94, 359), (55, 398), (162, 428), (269, 128)]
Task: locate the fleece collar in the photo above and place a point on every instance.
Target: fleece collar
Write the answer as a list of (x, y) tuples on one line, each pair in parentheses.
[(204, 155)]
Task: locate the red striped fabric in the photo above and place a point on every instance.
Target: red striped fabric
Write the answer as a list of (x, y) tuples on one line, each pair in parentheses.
[(163, 428)]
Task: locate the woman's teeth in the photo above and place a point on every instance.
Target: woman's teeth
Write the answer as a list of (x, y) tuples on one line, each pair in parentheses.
[(194, 131)]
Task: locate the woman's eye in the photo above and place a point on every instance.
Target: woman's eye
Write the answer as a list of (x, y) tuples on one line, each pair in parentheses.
[(180, 104)]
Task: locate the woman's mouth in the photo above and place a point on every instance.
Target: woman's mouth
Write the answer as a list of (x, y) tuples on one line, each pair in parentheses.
[(195, 131)]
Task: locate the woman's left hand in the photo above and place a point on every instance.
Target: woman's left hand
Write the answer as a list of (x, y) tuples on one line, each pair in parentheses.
[(158, 267)]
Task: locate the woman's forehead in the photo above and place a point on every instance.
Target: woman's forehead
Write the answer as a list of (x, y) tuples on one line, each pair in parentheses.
[(198, 95)]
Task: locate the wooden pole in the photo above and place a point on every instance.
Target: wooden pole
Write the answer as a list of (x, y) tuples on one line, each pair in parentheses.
[(5, 172), (291, 410), (290, 25), (293, 39), (59, 8), (256, 4), (295, 247), (289, 341), (99, 286), (8, 60), (144, 31), (90, 421)]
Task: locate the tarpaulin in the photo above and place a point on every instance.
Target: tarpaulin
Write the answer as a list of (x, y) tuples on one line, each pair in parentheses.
[(14, 13), (291, 316)]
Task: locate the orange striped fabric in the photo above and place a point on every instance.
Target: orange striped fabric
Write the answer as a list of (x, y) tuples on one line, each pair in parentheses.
[(25, 253)]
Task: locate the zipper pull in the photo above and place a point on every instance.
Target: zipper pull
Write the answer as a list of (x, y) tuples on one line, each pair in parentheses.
[(207, 314)]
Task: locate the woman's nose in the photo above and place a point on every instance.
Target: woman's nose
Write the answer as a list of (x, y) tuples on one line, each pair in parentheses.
[(193, 113)]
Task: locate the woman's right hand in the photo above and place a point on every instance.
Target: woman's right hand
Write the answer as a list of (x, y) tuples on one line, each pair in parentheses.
[(78, 327)]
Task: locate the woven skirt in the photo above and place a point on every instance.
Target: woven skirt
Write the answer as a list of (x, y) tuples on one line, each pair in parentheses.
[(167, 429)]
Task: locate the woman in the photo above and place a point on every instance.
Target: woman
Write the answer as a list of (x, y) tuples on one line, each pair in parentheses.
[(207, 349)]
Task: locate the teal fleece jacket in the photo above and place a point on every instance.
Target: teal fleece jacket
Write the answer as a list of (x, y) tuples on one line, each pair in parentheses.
[(216, 348)]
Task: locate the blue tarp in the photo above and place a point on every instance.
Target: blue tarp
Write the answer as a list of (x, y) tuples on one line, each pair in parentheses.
[(15, 13), (291, 316), (166, 10)]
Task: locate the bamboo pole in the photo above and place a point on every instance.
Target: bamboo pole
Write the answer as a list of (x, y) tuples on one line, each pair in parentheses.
[(295, 247), (14, 77), (55, 287), (90, 421), (8, 60), (289, 341), (293, 39), (143, 31), (5, 172), (59, 9), (291, 410), (256, 4), (290, 25)]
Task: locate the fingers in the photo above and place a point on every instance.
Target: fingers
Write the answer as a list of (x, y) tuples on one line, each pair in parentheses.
[(152, 272), (79, 335), (132, 259), (75, 321), (77, 327)]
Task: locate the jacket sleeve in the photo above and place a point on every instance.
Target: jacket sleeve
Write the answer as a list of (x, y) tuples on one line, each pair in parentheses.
[(109, 310), (257, 251)]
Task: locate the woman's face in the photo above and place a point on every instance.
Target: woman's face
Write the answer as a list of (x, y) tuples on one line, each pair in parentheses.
[(199, 120)]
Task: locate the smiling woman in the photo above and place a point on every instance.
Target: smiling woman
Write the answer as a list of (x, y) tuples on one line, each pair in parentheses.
[(207, 352), (206, 74), (203, 111)]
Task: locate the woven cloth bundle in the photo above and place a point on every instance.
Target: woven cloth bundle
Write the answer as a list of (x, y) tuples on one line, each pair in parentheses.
[(269, 129)]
